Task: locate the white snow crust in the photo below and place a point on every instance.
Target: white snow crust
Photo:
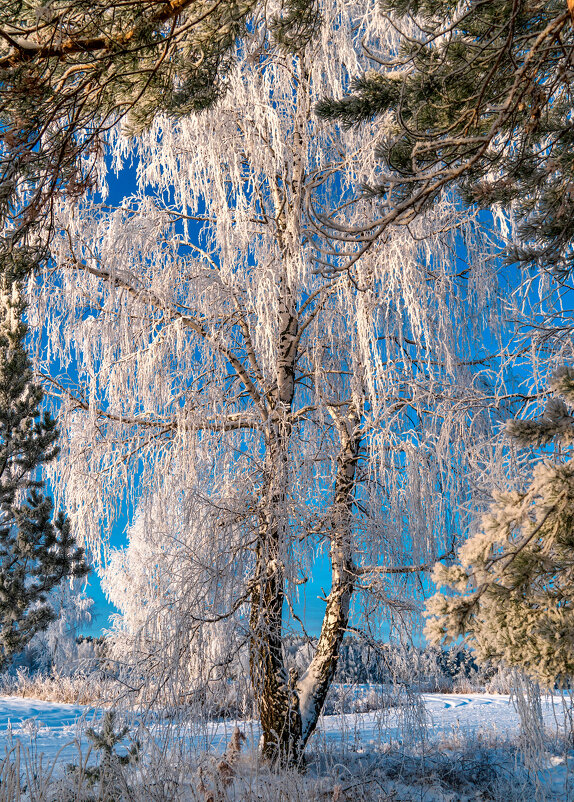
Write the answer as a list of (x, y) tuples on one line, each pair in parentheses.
[(56, 731)]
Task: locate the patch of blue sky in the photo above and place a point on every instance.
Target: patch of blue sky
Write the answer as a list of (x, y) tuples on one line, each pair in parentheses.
[(310, 602)]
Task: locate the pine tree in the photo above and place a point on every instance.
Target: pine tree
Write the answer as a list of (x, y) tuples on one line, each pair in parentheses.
[(479, 99), (70, 69), (37, 551), (515, 576)]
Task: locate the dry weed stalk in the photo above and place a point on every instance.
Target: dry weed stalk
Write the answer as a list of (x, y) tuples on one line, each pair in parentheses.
[(225, 769)]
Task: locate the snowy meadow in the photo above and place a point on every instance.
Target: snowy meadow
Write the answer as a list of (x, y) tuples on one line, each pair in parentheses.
[(391, 740), (440, 747)]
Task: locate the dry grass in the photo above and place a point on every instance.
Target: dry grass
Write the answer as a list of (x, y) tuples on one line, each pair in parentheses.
[(453, 770), (461, 772), (78, 689)]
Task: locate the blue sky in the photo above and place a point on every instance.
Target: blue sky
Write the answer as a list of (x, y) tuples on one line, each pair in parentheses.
[(310, 606)]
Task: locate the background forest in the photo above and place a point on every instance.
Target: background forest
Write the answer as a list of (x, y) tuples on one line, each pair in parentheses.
[(286, 299)]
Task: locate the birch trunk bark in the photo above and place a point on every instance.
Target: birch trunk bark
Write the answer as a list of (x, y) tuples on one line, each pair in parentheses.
[(277, 701), (276, 697), (289, 710), (313, 686)]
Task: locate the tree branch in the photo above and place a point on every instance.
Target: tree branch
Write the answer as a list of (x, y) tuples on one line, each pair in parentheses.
[(25, 50)]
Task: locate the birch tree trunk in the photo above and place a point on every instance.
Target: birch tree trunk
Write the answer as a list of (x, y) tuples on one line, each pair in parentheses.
[(289, 709), (277, 700), (278, 708), (313, 686)]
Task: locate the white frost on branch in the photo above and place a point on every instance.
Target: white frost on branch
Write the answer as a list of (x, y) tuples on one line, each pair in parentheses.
[(195, 324)]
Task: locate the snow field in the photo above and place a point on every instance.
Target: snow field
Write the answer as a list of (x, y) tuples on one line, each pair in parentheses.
[(474, 723)]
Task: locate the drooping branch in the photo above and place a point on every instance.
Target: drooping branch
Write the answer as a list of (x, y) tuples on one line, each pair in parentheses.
[(225, 423), (381, 570), (199, 327)]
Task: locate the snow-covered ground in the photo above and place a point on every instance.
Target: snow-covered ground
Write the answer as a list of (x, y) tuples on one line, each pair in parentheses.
[(447, 714), (53, 725), (54, 729), (57, 730)]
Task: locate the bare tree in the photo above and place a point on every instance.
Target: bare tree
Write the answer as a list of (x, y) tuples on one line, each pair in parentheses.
[(258, 411)]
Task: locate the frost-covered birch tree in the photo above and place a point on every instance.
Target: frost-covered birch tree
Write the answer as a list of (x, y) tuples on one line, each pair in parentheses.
[(258, 409)]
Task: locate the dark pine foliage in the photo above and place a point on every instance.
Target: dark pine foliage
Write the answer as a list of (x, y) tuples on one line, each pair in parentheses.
[(37, 549), (479, 96), (69, 71)]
